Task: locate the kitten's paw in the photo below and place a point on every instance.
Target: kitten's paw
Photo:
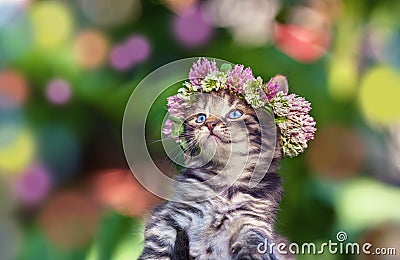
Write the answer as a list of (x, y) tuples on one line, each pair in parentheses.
[(252, 245), (240, 252)]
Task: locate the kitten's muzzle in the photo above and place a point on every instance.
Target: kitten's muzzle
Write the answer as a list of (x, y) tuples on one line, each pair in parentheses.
[(212, 122)]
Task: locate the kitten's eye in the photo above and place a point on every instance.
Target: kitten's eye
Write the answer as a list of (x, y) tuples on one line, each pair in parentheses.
[(201, 118), (235, 114)]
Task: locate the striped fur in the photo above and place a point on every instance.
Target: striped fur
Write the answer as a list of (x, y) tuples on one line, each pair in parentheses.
[(214, 214)]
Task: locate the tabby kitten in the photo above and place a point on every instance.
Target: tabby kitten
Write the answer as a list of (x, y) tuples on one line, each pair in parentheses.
[(214, 213)]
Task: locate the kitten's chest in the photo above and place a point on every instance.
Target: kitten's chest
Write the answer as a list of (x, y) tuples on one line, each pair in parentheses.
[(209, 234)]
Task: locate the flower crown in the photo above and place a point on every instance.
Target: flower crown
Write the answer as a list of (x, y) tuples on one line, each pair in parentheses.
[(296, 126)]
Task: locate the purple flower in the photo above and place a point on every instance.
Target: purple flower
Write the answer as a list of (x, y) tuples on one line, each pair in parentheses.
[(168, 126), (308, 126), (175, 106), (295, 124), (264, 96), (298, 104), (272, 88), (291, 112), (238, 77), (201, 69), (280, 104)]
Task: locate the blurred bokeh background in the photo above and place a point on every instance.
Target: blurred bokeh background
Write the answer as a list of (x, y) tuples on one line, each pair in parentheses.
[(67, 69)]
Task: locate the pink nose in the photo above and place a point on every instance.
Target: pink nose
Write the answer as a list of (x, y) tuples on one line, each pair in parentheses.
[(211, 122), (211, 125)]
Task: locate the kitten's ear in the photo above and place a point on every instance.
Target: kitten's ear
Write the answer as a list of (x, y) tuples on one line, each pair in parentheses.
[(281, 82)]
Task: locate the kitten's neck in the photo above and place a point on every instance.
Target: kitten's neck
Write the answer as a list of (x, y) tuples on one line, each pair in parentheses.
[(240, 171), (216, 181)]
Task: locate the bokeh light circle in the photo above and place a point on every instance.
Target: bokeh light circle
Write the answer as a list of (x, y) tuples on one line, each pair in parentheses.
[(13, 89), (111, 12), (90, 48), (379, 94), (191, 28), (9, 131), (119, 58), (116, 188), (33, 185), (343, 78), (134, 50), (336, 153), (250, 22), (363, 202), (52, 23), (180, 6), (301, 44), (11, 8), (17, 155), (16, 38), (58, 92), (69, 219), (138, 48)]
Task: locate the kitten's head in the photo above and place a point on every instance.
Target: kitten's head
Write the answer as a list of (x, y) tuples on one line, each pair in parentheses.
[(220, 125)]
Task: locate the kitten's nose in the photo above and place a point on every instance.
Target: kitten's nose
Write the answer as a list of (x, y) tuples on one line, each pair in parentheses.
[(211, 122)]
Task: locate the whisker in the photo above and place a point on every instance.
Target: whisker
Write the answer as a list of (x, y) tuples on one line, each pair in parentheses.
[(159, 140)]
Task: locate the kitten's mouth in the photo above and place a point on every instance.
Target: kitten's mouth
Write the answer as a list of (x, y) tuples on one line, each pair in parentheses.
[(217, 138)]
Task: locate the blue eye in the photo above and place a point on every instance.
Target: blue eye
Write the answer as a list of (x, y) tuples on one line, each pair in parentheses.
[(201, 118), (235, 114)]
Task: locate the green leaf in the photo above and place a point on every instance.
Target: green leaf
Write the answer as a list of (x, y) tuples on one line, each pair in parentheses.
[(268, 109), (280, 119), (184, 145), (225, 67), (176, 120), (177, 130)]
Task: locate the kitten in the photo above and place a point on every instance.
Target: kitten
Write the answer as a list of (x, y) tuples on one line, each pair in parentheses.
[(214, 213)]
